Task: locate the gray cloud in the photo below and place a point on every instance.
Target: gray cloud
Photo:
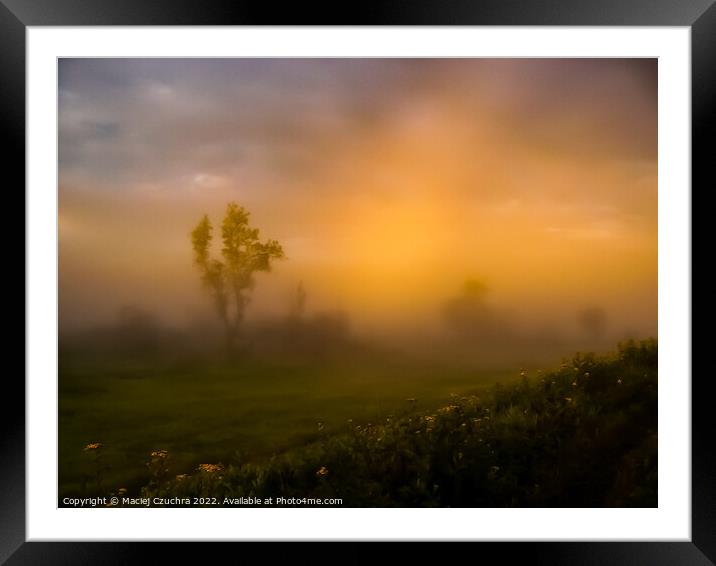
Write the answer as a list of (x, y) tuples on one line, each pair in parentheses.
[(142, 120)]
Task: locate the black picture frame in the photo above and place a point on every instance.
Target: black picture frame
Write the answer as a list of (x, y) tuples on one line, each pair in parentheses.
[(17, 15)]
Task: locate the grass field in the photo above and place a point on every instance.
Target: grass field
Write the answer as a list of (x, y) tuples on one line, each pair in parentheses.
[(210, 410), (368, 427), (584, 435)]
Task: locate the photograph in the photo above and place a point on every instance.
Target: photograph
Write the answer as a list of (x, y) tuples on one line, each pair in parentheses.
[(356, 282)]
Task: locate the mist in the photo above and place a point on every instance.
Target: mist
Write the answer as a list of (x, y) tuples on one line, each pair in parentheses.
[(503, 208), (371, 282)]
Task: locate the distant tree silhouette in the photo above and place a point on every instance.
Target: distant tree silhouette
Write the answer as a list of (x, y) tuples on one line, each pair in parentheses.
[(469, 313), (593, 321), (137, 330), (475, 289), (229, 281), (298, 308)]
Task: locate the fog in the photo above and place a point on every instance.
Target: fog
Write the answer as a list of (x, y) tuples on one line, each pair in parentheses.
[(430, 203)]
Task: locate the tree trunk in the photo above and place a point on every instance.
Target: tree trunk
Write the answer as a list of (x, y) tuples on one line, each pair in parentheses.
[(230, 338), (233, 324)]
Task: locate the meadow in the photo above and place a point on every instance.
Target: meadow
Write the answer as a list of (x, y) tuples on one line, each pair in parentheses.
[(208, 409), (372, 429)]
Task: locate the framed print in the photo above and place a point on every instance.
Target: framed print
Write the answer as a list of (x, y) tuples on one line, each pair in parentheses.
[(424, 275)]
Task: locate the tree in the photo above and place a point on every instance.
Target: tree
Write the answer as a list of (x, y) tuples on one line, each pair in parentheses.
[(137, 331), (229, 281), (469, 313), (298, 308), (593, 321)]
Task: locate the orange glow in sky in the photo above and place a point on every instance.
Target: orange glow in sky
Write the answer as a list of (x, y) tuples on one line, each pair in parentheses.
[(388, 182)]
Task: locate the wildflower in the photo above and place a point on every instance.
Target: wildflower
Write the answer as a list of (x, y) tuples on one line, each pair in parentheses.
[(429, 418), (210, 468), (574, 383), (122, 491), (322, 471), (568, 399), (161, 454), (448, 409), (410, 399), (181, 477), (523, 373), (586, 374), (93, 446), (619, 381)]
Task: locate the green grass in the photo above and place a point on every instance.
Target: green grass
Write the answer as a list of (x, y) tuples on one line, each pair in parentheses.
[(582, 436), (214, 411)]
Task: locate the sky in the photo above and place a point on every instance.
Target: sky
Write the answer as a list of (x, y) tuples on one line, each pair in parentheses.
[(389, 182)]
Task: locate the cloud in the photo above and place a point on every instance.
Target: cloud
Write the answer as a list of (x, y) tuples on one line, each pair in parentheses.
[(387, 180)]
